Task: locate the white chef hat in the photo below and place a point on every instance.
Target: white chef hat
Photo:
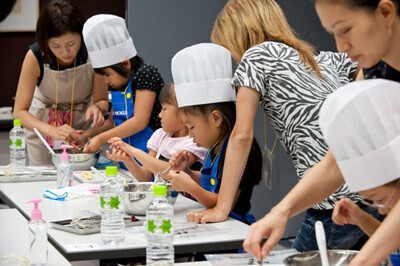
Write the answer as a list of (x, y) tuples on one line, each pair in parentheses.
[(202, 74), (107, 40), (361, 125)]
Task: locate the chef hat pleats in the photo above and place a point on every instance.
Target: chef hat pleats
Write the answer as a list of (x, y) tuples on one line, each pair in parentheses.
[(202, 74), (107, 40), (361, 125)]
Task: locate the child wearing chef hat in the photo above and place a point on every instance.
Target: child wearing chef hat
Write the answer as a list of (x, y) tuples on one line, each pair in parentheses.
[(202, 74), (361, 124), (134, 85)]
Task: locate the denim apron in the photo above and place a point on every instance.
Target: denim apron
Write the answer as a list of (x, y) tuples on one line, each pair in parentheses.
[(209, 181), (123, 108), (209, 170)]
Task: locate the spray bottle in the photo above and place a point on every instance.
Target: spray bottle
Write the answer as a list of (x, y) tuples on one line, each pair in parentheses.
[(37, 235), (64, 169)]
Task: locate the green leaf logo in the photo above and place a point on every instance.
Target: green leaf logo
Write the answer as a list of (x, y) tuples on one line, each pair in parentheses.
[(102, 202), (151, 226), (11, 142), (114, 202), (166, 226), (18, 142)]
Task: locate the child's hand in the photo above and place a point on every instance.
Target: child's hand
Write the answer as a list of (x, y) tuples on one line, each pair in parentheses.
[(119, 144), (347, 212), (94, 112), (179, 161), (118, 155), (179, 180), (93, 145), (79, 140), (207, 216)]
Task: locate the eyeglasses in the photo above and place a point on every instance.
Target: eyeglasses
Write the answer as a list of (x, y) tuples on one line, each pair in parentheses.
[(384, 207)]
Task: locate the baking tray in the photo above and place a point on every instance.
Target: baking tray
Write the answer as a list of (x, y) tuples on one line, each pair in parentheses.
[(65, 225), (98, 178), (37, 174)]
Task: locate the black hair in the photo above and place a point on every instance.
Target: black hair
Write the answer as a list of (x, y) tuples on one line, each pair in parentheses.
[(167, 95), (370, 5), (227, 110), (57, 18), (136, 62)]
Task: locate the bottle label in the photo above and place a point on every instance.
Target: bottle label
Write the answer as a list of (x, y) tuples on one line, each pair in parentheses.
[(111, 202), (159, 225), (17, 142)]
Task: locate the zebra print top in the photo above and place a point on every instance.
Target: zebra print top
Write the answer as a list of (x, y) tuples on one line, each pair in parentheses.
[(291, 97)]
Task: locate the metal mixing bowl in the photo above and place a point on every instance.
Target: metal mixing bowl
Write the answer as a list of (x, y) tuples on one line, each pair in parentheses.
[(137, 197), (312, 258), (80, 161)]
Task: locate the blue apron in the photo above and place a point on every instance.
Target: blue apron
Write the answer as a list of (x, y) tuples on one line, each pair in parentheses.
[(209, 170), (123, 108), (209, 181)]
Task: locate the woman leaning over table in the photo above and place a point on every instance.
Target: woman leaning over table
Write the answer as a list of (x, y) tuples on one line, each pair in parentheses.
[(58, 91), (369, 32), (291, 81)]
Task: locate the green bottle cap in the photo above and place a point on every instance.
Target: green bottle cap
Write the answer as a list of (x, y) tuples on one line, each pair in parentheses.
[(17, 122), (160, 190), (111, 170)]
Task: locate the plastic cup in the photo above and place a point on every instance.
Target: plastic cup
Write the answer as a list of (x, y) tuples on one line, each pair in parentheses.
[(395, 258)]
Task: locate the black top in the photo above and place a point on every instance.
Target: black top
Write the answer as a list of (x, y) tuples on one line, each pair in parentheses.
[(382, 70), (250, 178), (147, 77)]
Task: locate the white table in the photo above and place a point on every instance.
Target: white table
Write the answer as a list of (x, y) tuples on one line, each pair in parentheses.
[(222, 236), (15, 237)]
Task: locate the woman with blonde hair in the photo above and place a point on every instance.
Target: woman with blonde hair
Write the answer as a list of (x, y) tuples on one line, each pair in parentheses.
[(369, 32), (291, 81)]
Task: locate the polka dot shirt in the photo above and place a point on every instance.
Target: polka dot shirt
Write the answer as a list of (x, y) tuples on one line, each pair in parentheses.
[(147, 77)]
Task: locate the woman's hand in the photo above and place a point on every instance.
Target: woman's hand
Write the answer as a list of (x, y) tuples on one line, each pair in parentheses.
[(96, 113), (213, 215), (347, 212), (64, 132), (179, 161), (79, 140), (271, 226)]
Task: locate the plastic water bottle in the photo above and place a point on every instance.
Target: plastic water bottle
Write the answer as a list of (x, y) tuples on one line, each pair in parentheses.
[(112, 210), (160, 229), (17, 144), (37, 236)]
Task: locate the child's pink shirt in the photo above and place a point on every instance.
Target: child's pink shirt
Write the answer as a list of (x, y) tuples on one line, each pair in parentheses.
[(173, 145)]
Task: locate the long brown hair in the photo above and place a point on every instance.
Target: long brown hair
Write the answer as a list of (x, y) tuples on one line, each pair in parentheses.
[(242, 24)]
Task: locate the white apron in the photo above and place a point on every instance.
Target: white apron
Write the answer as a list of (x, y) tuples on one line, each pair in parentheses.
[(43, 103)]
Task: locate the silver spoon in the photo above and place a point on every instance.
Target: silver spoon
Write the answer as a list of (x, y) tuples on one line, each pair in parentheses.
[(158, 177)]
